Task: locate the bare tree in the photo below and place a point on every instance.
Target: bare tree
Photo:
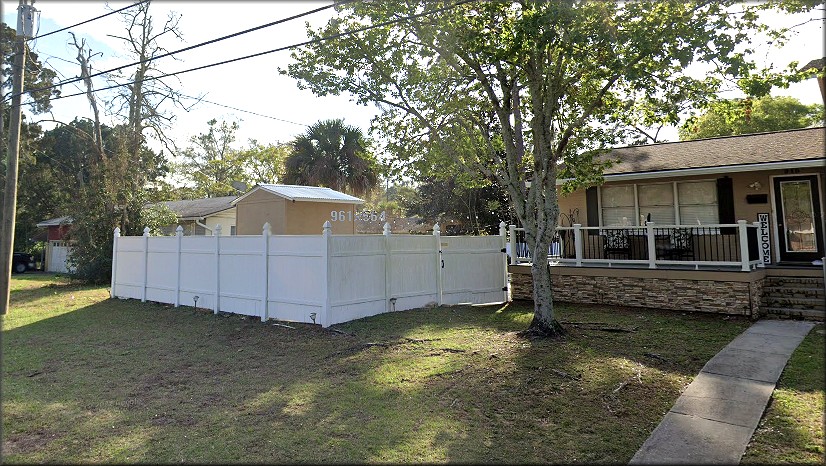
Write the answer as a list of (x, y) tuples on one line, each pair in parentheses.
[(144, 98)]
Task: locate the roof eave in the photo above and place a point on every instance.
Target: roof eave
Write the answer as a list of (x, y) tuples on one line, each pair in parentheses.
[(334, 201), (205, 214), (751, 167), (331, 201)]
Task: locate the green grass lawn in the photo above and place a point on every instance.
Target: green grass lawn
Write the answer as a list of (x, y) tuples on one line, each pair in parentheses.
[(791, 430), (89, 379)]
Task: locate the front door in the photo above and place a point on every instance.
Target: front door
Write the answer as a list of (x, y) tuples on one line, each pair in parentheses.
[(799, 226)]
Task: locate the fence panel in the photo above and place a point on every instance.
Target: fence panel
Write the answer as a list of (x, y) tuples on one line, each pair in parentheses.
[(357, 277), (241, 271), (130, 267), (161, 273), (296, 278), (472, 271), (197, 270), (414, 276)]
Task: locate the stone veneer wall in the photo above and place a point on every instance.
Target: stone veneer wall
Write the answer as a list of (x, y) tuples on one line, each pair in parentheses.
[(718, 296)]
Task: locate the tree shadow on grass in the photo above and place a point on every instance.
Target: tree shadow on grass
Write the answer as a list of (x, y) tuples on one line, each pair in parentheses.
[(127, 381)]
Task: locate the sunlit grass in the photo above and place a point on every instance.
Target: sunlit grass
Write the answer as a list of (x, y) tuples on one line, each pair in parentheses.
[(89, 379)]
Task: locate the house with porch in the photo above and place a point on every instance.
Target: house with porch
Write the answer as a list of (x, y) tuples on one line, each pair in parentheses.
[(730, 224)]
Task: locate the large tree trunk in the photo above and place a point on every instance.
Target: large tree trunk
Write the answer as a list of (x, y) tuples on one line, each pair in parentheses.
[(544, 323)]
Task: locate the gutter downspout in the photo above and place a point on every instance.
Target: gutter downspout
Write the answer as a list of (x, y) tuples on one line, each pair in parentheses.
[(198, 222)]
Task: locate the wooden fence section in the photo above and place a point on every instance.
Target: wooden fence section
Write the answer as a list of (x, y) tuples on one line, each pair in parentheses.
[(321, 279)]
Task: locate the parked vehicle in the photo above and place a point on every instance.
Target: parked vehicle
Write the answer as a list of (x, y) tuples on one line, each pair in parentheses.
[(22, 262)]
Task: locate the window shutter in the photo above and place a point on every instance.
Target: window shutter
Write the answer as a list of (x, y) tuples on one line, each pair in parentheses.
[(592, 209), (725, 204)]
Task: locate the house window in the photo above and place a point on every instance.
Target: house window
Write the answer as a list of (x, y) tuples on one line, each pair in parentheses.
[(232, 230), (684, 203), (698, 202), (618, 205), (657, 203)]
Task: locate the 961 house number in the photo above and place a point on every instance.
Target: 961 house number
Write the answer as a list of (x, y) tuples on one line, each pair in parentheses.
[(347, 216)]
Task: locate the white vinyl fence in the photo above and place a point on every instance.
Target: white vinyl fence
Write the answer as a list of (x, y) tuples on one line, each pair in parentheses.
[(322, 279)]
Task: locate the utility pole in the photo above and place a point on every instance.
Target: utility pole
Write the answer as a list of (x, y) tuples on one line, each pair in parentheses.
[(25, 26)]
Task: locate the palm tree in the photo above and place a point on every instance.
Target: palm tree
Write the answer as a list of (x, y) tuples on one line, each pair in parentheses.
[(333, 155)]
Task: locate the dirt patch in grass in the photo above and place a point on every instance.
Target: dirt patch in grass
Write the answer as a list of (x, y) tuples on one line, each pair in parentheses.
[(124, 381), (27, 442)]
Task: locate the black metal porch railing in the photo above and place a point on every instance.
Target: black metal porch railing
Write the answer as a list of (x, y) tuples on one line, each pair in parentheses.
[(728, 245)]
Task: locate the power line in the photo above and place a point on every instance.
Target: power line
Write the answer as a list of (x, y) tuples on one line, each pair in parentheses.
[(88, 20), (185, 49), (245, 111), (280, 49), (200, 99)]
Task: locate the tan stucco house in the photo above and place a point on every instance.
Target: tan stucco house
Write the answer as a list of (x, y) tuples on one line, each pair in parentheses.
[(295, 210)]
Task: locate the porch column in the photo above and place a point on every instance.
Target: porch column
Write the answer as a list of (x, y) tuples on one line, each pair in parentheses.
[(578, 243), (760, 254), (652, 249), (744, 245)]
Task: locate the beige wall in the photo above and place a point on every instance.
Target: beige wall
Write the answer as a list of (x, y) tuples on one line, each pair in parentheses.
[(307, 218), (258, 208), (572, 201), (291, 218), (226, 219)]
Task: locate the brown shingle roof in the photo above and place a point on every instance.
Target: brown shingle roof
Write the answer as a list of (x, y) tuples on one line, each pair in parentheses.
[(779, 146), (198, 208), (817, 63)]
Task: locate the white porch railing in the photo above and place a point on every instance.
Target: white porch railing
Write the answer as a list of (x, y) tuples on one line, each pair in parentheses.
[(717, 245)]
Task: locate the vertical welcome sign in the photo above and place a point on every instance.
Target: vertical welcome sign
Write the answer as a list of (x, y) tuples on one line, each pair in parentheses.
[(763, 237)]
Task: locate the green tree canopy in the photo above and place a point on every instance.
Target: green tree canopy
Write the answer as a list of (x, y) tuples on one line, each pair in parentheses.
[(264, 163), (747, 116), (527, 90), (334, 155), (475, 209), (210, 164)]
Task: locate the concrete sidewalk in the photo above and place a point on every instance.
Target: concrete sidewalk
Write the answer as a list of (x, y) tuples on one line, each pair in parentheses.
[(715, 417)]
